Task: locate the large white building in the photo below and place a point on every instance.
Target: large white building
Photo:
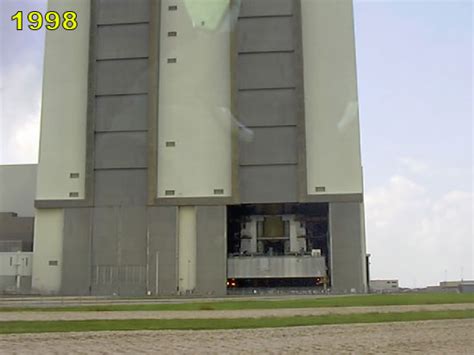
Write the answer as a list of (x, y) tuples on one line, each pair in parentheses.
[(188, 146)]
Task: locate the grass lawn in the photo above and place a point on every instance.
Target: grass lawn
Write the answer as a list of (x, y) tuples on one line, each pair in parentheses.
[(347, 301), (202, 324)]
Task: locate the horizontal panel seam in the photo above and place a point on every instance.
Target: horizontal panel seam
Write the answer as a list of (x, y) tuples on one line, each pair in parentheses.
[(268, 88), (118, 24), (272, 51), (246, 17), (268, 164), (121, 58), (113, 95)]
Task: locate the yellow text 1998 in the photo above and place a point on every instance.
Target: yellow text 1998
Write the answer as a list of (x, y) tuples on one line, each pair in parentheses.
[(51, 20)]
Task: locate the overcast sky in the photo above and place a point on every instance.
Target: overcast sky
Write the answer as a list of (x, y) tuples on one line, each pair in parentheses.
[(415, 76)]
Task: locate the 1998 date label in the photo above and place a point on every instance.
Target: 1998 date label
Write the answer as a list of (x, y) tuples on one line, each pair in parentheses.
[(51, 20)]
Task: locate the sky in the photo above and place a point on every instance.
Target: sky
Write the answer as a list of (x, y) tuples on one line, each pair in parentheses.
[(415, 80)]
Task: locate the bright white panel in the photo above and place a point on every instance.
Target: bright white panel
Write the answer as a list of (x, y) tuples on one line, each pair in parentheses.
[(64, 107), (194, 129), (187, 247), (332, 120), (48, 251)]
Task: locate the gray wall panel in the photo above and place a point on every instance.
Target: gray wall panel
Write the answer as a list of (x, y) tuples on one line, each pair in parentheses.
[(268, 184), (267, 77), (122, 41), (119, 251), (267, 107), (121, 113), (270, 145), (126, 76), (347, 247), (123, 11), (162, 230), (76, 268), (266, 70), (121, 150), (266, 7), (265, 34), (121, 187), (132, 236), (105, 232), (211, 250)]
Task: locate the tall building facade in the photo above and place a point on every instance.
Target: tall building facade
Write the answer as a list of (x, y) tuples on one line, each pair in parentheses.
[(192, 146)]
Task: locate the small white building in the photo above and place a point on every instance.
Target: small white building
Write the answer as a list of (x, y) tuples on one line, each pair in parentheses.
[(384, 286), (15, 272), (17, 194)]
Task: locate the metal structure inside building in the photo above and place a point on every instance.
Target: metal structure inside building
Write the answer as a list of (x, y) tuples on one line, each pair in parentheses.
[(204, 146)]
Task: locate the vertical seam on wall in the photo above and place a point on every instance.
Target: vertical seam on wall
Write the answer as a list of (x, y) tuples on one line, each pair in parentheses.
[(91, 248), (90, 130), (176, 268), (153, 97), (331, 270), (300, 102), (234, 52)]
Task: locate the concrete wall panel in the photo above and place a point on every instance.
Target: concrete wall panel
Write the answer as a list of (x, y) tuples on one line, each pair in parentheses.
[(211, 250), (267, 103), (105, 233), (252, 8), (127, 76), (76, 268), (266, 70), (123, 41), (121, 113), (121, 150), (265, 34), (347, 247), (119, 251), (123, 11), (162, 229), (268, 184), (48, 251), (64, 107), (270, 145), (331, 103), (194, 118), (267, 107), (132, 236), (121, 187), (187, 245)]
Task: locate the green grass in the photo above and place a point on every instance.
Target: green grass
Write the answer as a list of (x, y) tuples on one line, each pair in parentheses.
[(347, 301), (202, 324)]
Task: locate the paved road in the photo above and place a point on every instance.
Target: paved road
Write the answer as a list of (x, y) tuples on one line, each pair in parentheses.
[(106, 300), (251, 313)]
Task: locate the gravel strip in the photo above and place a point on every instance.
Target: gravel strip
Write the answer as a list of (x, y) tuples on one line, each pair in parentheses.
[(433, 337)]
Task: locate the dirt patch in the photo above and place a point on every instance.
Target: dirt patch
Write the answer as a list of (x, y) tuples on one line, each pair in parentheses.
[(447, 336)]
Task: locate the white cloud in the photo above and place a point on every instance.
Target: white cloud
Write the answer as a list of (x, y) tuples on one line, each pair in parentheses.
[(417, 237), (20, 113), (414, 166)]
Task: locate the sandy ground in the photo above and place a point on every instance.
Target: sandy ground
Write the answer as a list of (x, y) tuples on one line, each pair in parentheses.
[(434, 337), (255, 313)]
